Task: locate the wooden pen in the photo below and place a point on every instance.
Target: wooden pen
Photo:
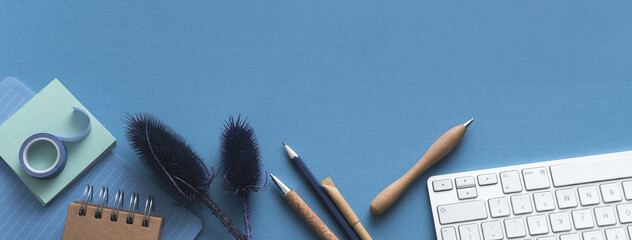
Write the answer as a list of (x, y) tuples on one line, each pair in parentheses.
[(344, 207), (307, 174), (436, 152), (304, 211)]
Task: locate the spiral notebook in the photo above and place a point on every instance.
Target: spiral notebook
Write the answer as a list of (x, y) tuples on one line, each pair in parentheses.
[(24, 217), (86, 220)]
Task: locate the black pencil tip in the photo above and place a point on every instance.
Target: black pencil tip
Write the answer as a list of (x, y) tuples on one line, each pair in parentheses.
[(283, 143)]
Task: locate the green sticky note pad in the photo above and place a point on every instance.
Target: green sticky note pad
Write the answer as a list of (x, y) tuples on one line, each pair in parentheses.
[(50, 111)]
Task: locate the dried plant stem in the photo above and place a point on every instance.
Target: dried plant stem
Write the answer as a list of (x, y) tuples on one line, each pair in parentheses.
[(244, 208), (206, 198)]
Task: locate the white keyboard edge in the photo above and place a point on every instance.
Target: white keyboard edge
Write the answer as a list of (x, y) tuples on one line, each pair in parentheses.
[(435, 201)]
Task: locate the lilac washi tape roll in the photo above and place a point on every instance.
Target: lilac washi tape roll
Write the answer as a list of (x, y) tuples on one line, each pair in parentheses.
[(57, 142)]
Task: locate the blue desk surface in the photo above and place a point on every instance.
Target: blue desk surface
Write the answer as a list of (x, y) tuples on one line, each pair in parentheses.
[(359, 89)]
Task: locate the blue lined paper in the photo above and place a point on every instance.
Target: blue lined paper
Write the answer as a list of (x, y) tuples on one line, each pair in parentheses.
[(25, 218), (13, 95)]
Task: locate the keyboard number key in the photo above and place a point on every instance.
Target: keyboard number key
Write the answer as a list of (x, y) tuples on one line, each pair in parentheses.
[(442, 185), (515, 228), (610, 192), (499, 207), (469, 232), (489, 179), (588, 195), (448, 233), (625, 213), (492, 230), (510, 182), (543, 201), (537, 225), (535, 178), (566, 198), (521, 204)]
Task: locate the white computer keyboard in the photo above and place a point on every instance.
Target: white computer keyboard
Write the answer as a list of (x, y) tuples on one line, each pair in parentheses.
[(585, 198)]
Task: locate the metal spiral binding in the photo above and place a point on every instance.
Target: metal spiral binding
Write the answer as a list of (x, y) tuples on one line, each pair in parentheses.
[(85, 199), (149, 210), (119, 199), (102, 201), (118, 204), (133, 207)]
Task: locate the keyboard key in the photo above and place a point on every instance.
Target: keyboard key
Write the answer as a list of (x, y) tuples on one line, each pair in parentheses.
[(487, 179), (590, 171), (560, 222), (535, 178), (521, 204), (448, 233), (627, 188), (511, 182), (582, 219), (615, 234), (573, 236), (547, 238), (566, 198), (588, 195), (499, 207), (605, 216), (492, 230), (515, 228), (464, 182), (462, 212), (537, 225), (467, 193), (442, 185), (593, 235), (610, 192), (630, 230), (625, 212), (469, 232), (543, 201)]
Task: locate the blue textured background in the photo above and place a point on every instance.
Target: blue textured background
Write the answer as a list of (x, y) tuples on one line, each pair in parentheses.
[(360, 89)]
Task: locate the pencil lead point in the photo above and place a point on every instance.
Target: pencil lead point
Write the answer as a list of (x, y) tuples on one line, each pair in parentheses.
[(283, 143), (290, 152), (468, 123)]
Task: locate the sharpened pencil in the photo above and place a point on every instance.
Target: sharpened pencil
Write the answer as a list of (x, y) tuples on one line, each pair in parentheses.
[(321, 193)]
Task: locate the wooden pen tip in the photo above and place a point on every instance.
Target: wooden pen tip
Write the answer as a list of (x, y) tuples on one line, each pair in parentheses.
[(468, 123)]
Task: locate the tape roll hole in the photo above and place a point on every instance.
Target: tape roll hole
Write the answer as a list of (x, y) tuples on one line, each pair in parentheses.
[(41, 155)]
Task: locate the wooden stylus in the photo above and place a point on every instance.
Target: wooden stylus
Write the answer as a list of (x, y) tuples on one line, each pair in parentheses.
[(304, 211), (436, 152)]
